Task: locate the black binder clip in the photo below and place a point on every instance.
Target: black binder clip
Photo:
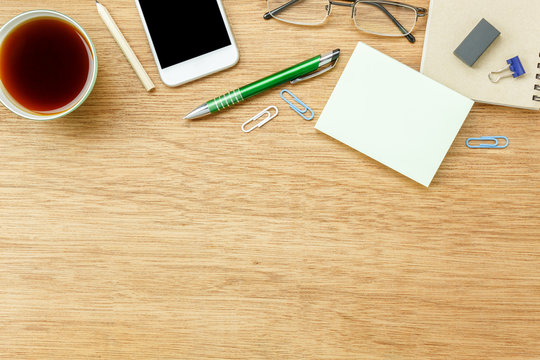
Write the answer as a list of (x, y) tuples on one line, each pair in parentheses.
[(514, 65)]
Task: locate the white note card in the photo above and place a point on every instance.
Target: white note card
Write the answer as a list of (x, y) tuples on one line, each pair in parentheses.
[(394, 114)]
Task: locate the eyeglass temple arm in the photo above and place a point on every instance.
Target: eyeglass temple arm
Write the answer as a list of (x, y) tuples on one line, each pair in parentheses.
[(420, 10)]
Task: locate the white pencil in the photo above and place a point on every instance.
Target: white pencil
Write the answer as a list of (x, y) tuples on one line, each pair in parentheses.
[(126, 49)]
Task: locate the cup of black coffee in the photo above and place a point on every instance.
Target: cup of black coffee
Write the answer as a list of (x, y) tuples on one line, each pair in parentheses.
[(48, 65)]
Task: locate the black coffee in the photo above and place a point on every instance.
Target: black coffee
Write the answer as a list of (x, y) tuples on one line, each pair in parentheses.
[(45, 64)]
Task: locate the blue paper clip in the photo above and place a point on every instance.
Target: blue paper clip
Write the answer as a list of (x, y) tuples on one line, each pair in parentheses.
[(299, 111), (492, 142), (514, 65)]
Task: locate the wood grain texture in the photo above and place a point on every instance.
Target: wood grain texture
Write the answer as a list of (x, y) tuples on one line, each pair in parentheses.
[(129, 233)]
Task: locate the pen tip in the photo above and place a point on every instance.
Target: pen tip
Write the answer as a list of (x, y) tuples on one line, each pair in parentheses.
[(201, 111)]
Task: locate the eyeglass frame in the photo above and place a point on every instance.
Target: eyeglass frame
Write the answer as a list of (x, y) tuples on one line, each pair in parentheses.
[(419, 11)]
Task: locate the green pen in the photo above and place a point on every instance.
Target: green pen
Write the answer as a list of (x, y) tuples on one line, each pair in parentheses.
[(300, 72)]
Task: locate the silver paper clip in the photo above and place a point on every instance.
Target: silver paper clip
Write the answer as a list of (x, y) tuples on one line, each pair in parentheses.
[(266, 112), (488, 142), (293, 106)]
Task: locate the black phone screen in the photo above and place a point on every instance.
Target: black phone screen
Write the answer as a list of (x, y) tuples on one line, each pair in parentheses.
[(182, 30)]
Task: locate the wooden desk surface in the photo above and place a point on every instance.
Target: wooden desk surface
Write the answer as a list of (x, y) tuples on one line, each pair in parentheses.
[(127, 232)]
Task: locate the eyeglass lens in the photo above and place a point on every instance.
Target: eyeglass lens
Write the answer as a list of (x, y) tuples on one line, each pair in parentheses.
[(301, 12), (384, 19)]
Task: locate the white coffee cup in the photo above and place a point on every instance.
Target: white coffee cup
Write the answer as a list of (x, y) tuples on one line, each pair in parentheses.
[(20, 110)]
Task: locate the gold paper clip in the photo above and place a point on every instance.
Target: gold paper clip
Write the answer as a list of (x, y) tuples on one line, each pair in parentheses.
[(266, 112)]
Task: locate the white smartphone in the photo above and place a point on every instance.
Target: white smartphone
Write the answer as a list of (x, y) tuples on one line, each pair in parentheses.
[(189, 39)]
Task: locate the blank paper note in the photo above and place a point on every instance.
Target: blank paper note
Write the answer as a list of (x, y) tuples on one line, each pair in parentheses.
[(394, 114)]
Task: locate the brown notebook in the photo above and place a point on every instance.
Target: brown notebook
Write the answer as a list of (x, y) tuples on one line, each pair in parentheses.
[(450, 21)]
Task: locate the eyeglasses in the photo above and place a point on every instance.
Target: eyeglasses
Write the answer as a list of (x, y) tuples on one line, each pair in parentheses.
[(379, 17)]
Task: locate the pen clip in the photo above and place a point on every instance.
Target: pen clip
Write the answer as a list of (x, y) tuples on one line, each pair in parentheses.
[(315, 73)]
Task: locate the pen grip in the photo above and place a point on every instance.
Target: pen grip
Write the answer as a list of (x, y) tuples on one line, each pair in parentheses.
[(226, 100)]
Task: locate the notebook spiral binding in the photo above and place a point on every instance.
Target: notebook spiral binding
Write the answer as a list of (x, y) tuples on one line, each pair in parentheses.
[(537, 87)]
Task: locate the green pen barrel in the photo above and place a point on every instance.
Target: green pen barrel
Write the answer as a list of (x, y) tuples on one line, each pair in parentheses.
[(245, 92)]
